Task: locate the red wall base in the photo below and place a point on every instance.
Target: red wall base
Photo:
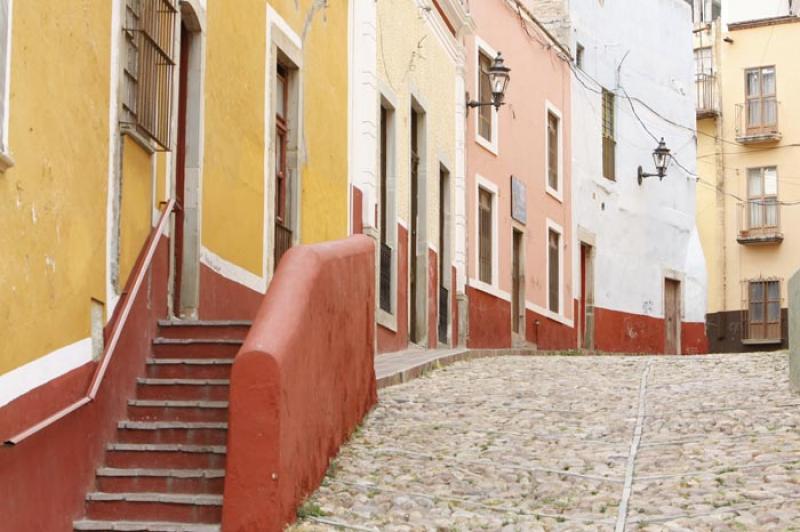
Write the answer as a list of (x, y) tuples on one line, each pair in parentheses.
[(223, 299), (489, 320), (44, 479), (548, 334), (622, 332)]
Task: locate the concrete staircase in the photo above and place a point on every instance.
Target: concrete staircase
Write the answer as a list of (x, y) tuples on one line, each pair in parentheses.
[(165, 470)]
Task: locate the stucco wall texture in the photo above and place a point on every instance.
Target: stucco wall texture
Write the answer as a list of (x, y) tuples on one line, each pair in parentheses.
[(539, 78), (413, 65), (236, 187), (54, 206)]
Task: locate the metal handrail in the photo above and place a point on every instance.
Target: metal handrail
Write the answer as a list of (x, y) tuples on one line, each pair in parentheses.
[(116, 332)]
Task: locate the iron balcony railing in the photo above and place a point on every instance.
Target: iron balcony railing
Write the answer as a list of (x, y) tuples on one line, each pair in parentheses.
[(705, 86), (757, 121), (760, 222)]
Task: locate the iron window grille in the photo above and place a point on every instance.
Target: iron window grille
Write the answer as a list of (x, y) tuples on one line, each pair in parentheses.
[(149, 31)]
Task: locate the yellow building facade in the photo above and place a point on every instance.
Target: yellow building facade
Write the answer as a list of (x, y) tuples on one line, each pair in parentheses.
[(408, 160), (239, 114), (748, 199)]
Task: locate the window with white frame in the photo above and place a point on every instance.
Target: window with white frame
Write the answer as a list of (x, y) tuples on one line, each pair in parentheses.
[(553, 152), (5, 81), (554, 270), (485, 235), (485, 115)]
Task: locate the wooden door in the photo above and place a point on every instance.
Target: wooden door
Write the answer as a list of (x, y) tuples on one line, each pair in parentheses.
[(413, 329), (672, 316), (517, 285), (180, 170)]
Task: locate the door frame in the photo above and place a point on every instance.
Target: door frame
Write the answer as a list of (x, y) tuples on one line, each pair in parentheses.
[(520, 294), (678, 281), (188, 163), (417, 232)]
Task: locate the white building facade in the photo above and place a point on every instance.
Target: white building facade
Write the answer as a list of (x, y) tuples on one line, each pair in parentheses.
[(640, 265)]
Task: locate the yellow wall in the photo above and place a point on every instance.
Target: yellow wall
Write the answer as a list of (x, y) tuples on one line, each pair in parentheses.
[(729, 262), (412, 62), (53, 201), (235, 140), (135, 206)]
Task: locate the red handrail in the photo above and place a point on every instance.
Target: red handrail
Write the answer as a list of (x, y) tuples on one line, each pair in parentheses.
[(116, 331)]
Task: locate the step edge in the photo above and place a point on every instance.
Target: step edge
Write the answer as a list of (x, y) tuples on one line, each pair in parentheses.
[(205, 323), (166, 448), (172, 425), (191, 361), (150, 381), (121, 472), (150, 526), (194, 499), (160, 340), (177, 403)]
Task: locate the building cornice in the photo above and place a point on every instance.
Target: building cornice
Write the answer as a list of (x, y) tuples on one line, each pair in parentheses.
[(764, 22)]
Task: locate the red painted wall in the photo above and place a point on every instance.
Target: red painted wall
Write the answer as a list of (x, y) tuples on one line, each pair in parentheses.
[(357, 221), (621, 332), (433, 299), (694, 340), (388, 340), (549, 335), (453, 307), (302, 381), (224, 299), (44, 479), (489, 320)]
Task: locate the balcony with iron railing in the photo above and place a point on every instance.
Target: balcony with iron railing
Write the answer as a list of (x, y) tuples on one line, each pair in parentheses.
[(759, 222), (706, 103), (757, 121)]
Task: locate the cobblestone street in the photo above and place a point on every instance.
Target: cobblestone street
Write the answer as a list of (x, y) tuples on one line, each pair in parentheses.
[(574, 443)]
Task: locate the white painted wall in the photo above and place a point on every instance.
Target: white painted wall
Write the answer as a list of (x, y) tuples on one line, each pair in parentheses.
[(642, 234), (742, 10)]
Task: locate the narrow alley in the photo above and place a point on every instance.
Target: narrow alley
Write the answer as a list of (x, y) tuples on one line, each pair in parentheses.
[(573, 443)]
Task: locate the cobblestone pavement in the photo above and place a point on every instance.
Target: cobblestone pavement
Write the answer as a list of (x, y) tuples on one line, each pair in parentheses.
[(574, 443)]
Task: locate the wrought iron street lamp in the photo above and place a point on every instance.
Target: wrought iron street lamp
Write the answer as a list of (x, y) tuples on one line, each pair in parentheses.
[(661, 158), (499, 76)]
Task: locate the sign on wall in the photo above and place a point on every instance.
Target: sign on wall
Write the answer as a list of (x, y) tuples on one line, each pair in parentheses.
[(519, 206)]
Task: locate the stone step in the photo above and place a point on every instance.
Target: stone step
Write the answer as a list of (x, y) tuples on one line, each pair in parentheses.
[(174, 507), (192, 433), (165, 456), (195, 348), (166, 410), (122, 480), (189, 368), (212, 329), (183, 389), (143, 526)]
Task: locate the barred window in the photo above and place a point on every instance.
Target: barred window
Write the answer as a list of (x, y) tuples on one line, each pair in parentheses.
[(609, 142), (485, 231), (149, 29)]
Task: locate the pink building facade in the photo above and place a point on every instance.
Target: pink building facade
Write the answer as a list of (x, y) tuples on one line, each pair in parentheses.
[(519, 194)]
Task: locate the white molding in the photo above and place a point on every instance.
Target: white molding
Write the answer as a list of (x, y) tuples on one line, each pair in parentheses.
[(232, 272), (552, 225), (6, 160), (559, 193), (386, 320), (53, 365), (113, 156), (440, 30), (402, 223), (549, 314), (492, 145), (460, 216), (491, 187), (489, 289)]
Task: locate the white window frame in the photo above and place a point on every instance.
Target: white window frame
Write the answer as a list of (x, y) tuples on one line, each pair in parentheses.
[(557, 194), (550, 225), (493, 189), (6, 12), (388, 100), (493, 144)]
